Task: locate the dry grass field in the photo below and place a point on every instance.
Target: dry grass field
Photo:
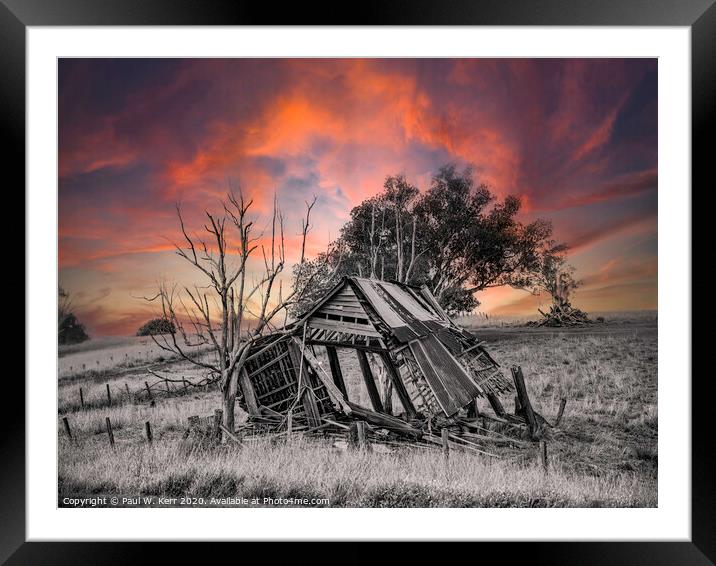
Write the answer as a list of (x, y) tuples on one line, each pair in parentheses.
[(604, 454)]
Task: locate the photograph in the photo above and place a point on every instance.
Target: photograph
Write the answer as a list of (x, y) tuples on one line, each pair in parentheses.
[(357, 282)]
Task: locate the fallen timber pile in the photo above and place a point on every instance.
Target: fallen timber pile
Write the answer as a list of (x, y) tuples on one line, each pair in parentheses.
[(293, 382), (363, 430), (562, 314)]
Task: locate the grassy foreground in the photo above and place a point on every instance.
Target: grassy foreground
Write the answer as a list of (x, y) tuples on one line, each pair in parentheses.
[(605, 453), (313, 469)]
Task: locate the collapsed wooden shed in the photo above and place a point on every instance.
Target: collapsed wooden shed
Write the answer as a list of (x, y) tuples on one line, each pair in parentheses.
[(436, 367)]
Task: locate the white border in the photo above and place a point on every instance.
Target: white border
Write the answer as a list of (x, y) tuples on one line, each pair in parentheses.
[(671, 520)]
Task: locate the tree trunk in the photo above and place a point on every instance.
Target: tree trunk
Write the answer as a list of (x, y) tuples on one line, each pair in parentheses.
[(230, 400)]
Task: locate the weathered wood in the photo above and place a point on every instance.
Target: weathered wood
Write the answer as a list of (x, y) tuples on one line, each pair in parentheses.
[(216, 431), (247, 389), (268, 364), (525, 401), (445, 437), (334, 423), (110, 434), (148, 431), (398, 385), (336, 372), (472, 410), (474, 447), (67, 427), (229, 434), (309, 405), (369, 381), (126, 388), (517, 405), (470, 349), (362, 436), (344, 344), (305, 392), (333, 392), (193, 422), (82, 399), (353, 435), (496, 404), (385, 421), (109, 396), (353, 328), (149, 391), (264, 349), (560, 413)]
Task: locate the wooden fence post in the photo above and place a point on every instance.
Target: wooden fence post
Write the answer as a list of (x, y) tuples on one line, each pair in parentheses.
[(445, 434), (129, 395), (169, 392), (110, 435), (193, 422), (543, 454), (148, 431), (218, 416), (361, 435), (149, 391), (82, 399), (67, 427), (353, 435), (109, 396)]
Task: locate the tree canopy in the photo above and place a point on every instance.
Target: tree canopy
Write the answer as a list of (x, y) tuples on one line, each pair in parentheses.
[(157, 326), (456, 238), (69, 329)]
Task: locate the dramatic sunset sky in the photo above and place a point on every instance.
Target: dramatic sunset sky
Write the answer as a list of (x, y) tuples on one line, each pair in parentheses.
[(575, 138)]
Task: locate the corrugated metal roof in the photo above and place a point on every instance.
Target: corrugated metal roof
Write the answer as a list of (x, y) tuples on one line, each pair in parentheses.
[(407, 318), (450, 383)]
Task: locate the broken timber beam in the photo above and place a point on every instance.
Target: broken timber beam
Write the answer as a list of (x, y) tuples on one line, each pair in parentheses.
[(333, 391), (526, 405), (311, 408), (336, 372), (249, 394), (369, 380), (399, 385), (385, 421), (496, 404)]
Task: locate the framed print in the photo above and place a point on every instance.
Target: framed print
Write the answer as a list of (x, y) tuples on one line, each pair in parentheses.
[(423, 275)]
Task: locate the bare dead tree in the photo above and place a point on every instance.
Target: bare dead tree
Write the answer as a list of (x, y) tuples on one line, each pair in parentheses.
[(234, 306)]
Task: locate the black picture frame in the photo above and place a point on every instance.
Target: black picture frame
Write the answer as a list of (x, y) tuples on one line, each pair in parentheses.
[(699, 15)]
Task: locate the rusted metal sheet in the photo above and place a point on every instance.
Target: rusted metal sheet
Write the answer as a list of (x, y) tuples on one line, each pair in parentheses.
[(452, 386), (450, 341), (382, 308), (406, 318)]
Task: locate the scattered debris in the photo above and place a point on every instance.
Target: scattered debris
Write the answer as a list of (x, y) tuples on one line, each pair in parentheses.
[(562, 314), (436, 368)]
